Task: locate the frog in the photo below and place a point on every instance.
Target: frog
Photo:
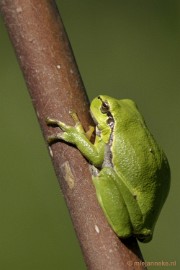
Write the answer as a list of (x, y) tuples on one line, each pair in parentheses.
[(130, 171)]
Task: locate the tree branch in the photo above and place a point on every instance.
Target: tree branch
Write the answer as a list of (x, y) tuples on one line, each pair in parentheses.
[(55, 86)]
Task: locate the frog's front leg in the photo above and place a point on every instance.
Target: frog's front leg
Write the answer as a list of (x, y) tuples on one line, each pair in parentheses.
[(77, 136)]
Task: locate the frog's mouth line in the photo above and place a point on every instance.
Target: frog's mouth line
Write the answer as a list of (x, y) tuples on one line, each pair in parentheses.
[(105, 109)]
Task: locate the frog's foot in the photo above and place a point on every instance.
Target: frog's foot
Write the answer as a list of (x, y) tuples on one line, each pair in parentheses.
[(79, 126), (145, 236), (55, 122), (70, 133), (66, 135), (78, 137)]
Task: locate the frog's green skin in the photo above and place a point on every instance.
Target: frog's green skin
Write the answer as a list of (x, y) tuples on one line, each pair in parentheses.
[(132, 178)]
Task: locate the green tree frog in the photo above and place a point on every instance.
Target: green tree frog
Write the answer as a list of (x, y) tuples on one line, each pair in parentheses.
[(130, 171)]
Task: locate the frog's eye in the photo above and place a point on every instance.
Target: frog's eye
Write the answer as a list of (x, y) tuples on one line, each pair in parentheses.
[(104, 107)]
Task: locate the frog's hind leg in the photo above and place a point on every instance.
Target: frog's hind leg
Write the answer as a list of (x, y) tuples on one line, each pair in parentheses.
[(112, 202)]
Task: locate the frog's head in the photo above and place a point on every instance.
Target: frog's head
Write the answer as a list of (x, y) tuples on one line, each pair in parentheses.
[(100, 109)]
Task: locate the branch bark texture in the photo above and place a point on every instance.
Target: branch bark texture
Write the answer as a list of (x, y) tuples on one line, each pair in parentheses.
[(55, 86)]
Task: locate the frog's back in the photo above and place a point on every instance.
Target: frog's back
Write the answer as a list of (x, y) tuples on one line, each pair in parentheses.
[(140, 161)]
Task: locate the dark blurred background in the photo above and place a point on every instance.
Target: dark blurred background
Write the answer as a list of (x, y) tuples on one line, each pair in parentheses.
[(127, 49)]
